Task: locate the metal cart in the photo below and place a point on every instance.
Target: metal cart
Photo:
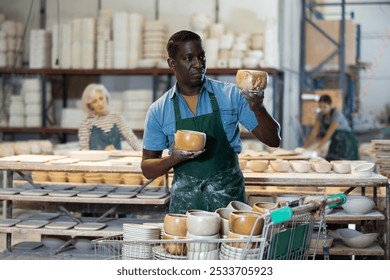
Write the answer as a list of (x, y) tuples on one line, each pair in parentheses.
[(287, 234)]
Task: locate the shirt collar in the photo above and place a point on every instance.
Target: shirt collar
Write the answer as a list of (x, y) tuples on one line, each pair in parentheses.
[(206, 85)]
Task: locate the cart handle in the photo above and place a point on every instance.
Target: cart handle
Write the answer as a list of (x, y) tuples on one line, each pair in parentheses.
[(281, 215), (341, 196)]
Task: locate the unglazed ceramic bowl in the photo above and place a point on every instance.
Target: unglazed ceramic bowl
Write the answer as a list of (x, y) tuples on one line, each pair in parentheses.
[(358, 204), (238, 205), (341, 166), (224, 213), (258, 165), (174, 248), (251, 79), (264, 207), (279, 165), (355, 239), (242, 222), (300, 166), (322, 166), (189, 140), (175, 224), (203, 223)]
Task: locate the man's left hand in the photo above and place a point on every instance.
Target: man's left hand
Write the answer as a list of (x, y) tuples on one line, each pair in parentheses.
[(254, 98)]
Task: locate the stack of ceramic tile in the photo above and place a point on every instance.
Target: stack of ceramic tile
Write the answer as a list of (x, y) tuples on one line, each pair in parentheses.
[(40, 46), (104, 41), (381, 149), (135, 106), (154, 48)]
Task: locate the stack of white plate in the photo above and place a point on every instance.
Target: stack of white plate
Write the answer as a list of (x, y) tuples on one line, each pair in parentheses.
[(76, 44), (87, 43), (159, 253), (103, 40), (39, 48), (3, 48), (155, 39), (228, 252), (72, 117), (10, 40), (136, 25), (135, 105), (139, 233), (16, 111), (31, 92), (121, 39)]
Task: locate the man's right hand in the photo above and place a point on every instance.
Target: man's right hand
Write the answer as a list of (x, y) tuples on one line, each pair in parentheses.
[(181, 155)]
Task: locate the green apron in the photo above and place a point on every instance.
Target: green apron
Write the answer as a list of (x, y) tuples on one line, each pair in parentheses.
[(99, 139), (213, 179), (343, 146)]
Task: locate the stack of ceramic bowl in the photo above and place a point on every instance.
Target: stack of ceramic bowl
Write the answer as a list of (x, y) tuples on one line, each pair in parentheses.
[(238, 205), (112, 178), (40, 176), (71, 117), (224, 213), (103, 40), (21, 147), (138, 250), (244, 225), (75, 177), (155, 39), (132, 179), (93, 178), (88, 43), (58, 176), (211, 46), (200, 23), (175, 228), (203, 234), (77, 37)]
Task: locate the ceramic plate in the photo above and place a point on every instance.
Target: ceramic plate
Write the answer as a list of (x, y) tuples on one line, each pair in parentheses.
[(122, 194), (27, 245), (44, 216), (64, 193), (93, 194), (9, 191), (153, 195), (90, 226), (57, 187), (89, 155), (32, 224), (35, 192), (9, 222), (60, 225)]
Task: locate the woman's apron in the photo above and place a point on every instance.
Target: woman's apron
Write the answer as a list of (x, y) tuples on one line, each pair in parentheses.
[(99, 139), (343, 146), (213, 179)]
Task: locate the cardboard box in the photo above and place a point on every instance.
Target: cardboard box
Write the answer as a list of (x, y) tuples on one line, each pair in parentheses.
[(318, 47)]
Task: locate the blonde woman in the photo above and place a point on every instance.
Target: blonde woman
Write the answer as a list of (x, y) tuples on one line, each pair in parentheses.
[(103, 130)]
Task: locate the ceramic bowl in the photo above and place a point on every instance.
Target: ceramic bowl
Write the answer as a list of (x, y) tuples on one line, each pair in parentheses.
[(322, 166), (175, 224), (189, 140), (203, 223), (243, 222), (280, 165), (224, 213), (341, 166), (243, 163), (357, 204), (243, 238), (207, 255), (363, 170), (173, 247), (238, 205), (258, 165), (355, 239), (264, 207), (300, 166), (251, 79), (198, 246)]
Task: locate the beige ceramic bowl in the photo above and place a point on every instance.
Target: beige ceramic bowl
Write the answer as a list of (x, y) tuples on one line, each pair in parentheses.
[(203, 223), (238, 205), (189, 140), (322, 166), (356, 239), (251, 79), (243, 163), (280, 165), (224, 213), (174, 248), (341, 166), (198, 246), (132, 179), (243, 242), (242, 222), (264, 207), (258, 165), (301, 166), (175, 224)]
